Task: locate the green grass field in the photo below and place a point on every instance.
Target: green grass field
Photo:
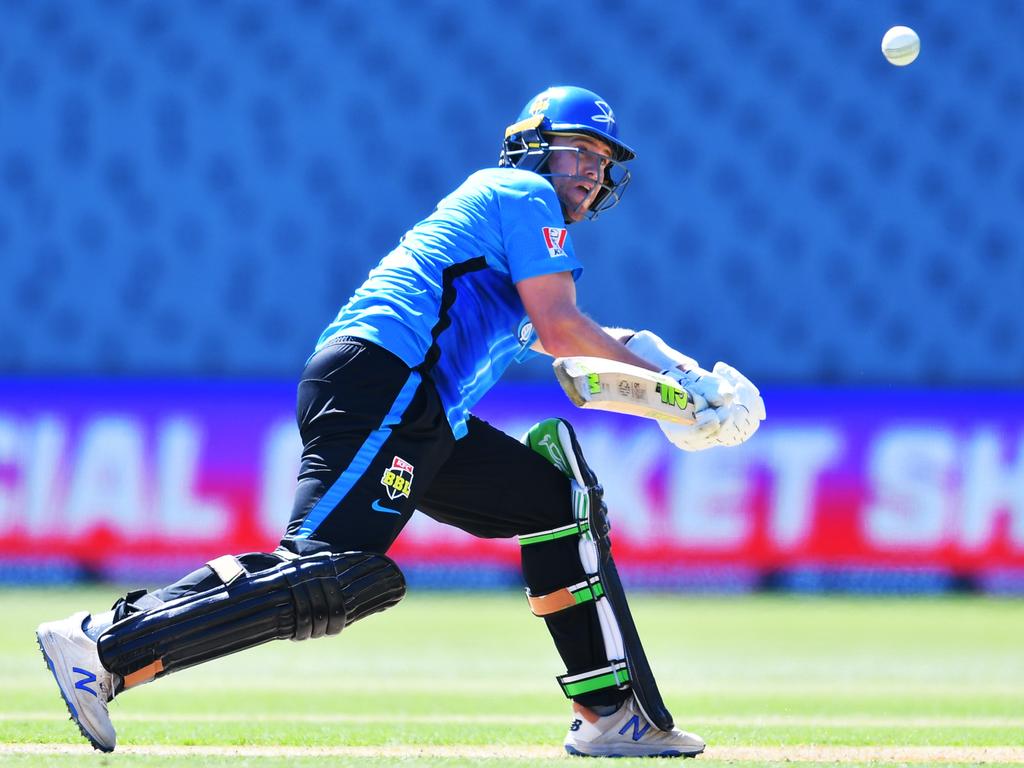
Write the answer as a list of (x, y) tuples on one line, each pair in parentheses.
[(456, 679)]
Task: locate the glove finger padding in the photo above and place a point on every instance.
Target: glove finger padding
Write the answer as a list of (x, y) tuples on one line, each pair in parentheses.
[(715, 389), (738, 425), (737, 417), (708, 422), (747, 394), (696, 436), (741, 419)]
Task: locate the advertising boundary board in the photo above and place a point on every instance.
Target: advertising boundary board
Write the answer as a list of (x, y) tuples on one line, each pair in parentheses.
[(873, 490)]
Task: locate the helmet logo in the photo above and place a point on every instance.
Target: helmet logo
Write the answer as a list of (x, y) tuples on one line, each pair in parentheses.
[(606, 115), (539, 105)]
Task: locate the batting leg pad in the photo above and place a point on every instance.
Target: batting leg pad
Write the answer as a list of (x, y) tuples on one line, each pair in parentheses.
[(627, 665), (305, 597)]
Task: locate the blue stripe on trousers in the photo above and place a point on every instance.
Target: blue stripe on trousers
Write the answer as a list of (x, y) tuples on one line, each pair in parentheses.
[(357, 467)]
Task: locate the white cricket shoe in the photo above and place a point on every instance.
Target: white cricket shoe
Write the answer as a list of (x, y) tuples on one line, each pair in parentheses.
[(84, 684), (626, 733)]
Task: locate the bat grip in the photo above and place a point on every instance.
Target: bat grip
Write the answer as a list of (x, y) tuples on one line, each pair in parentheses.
[(699, 403)]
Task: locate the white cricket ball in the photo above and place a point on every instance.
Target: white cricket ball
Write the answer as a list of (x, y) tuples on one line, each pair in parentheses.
[(900, 45)]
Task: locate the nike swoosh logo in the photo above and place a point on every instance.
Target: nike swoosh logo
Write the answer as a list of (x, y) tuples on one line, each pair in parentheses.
[(381, 508)]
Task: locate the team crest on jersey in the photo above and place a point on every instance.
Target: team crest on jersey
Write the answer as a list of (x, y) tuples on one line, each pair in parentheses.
[(525, 331), (397, 479), (554, 238)]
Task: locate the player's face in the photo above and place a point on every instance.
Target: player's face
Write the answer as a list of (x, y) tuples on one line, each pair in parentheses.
[(577, 165)]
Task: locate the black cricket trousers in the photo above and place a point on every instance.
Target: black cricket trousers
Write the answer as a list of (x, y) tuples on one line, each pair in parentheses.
[(377, 446)]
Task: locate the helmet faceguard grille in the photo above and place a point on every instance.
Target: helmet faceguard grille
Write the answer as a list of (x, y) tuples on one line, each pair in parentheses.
[(529, 150)]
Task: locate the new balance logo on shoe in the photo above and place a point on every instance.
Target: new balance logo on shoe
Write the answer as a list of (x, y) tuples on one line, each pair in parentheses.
[(627, 733), (634, 723), (87, 677)]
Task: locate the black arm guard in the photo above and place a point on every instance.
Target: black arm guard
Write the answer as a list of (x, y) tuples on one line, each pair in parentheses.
[(310, 596)]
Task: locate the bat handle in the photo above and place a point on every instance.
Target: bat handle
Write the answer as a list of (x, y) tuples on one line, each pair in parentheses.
[(699, 403)]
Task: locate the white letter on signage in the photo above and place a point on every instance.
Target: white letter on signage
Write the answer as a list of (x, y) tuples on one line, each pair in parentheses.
[(106, 487), (180, 511), (623, 463), (46, 442), (282, 455), (708, 494), (9, 490), (990, 486), (910, 477), (797, 457)]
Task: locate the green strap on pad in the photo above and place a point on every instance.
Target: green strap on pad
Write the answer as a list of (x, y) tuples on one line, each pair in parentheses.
[(615, 675), (572, 529), (587, 591)]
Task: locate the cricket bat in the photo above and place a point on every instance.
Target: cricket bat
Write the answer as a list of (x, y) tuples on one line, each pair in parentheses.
[(607, 385)]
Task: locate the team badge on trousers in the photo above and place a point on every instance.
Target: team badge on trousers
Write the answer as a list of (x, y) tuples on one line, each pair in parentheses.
[(397, 479)]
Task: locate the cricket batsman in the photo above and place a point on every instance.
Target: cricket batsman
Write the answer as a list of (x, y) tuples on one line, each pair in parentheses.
[(384, 415)]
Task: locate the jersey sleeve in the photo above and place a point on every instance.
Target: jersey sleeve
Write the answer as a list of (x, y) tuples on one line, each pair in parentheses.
[(535, 237)]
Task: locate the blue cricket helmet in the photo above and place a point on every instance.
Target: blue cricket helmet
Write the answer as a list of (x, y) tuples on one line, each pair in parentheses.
[(567, 109)]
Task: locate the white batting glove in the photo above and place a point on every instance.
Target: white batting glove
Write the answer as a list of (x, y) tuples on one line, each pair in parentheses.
[(707, 385), (693, 437), (729, 424), (742, 417), (728, 406), (713, 389), (653, 349), (709, 393)]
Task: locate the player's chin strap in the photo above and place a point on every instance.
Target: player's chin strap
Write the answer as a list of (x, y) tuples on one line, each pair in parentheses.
[(627, 664)]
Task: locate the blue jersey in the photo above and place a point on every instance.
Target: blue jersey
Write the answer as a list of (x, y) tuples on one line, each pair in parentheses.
[(445, 299)]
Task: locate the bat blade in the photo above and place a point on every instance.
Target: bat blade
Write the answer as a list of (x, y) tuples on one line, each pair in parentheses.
[(607, 385)]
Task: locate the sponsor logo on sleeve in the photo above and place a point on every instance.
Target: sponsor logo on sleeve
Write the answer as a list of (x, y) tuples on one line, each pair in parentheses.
[(554, 239), (397, 479)]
